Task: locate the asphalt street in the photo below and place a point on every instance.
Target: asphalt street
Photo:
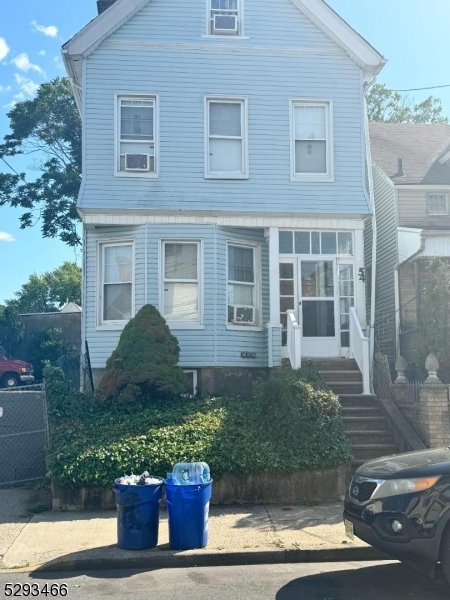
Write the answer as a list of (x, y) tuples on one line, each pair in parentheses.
[(324, 581)]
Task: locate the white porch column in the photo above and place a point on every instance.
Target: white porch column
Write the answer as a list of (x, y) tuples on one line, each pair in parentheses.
[(274, 325), (274, 277), (360, 286)]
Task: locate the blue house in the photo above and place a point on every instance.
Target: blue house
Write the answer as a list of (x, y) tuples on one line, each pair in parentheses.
[(224, 180)]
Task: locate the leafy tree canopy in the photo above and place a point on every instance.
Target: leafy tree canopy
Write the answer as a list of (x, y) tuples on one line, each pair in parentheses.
[(386, 106), (49, 291), (47, 128)]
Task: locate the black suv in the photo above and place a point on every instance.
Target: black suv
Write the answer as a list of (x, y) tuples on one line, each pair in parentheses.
[(400, 504)]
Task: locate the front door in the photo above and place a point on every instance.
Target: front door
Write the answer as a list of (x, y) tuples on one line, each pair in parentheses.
[(318, 307)]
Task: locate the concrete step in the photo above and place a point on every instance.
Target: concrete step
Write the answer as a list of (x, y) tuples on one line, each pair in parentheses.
[(357, 400), (361, 437), (332, 364), (365, 424), (370, 451), (341, 376), (340, 387), (361, 412)]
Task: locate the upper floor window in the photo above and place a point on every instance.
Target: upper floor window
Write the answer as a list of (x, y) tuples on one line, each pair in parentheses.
[(225, 17), (437, 204), (226, 138), (136, 135), (181, 282), (311, 141), (116, 293)]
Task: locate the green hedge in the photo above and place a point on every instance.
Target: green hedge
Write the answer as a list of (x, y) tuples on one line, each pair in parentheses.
[(291, 423)]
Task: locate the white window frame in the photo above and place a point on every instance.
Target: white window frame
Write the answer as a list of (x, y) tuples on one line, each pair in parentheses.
[(118, 96), (437, 213), (257, 265), (327, 177), (175, 324), (244, 135), (101, 245), (240, 34), (195, 381)]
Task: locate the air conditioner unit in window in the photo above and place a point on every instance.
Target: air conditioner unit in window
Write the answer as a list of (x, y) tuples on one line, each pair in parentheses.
[(137, 162), (244, 314), (226, 24)]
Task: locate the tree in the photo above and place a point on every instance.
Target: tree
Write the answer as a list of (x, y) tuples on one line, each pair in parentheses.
[(49, 291), (144, 366), (48, 128), (386, 106)]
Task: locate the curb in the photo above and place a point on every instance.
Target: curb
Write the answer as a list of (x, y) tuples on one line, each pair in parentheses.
[(216, 559)]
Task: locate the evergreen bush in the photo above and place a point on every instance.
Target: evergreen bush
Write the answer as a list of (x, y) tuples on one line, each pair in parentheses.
[(144, 366)]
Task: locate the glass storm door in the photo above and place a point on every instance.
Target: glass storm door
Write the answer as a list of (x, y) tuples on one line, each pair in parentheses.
[(318, 310)]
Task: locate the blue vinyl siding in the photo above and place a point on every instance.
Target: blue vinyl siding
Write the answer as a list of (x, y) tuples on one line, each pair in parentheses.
[(182, 68), (214, 345)]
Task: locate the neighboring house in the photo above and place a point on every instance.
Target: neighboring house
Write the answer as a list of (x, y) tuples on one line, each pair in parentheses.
[(411, 175), (224, 149)]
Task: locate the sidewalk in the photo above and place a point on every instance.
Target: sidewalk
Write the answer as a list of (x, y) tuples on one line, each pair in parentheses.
[(238, 535)]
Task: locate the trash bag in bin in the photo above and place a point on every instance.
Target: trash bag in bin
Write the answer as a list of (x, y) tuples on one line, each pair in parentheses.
[(138, 514), (188, 511)]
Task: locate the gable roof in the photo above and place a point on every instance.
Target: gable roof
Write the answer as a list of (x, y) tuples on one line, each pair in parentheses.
[(421, 148), (84, 43)]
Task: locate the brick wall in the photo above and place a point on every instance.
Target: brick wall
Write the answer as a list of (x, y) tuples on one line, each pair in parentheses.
[(428, 411)]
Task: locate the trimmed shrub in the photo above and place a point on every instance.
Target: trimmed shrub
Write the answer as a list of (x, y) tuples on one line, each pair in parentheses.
[(290, 424), (144, 366)]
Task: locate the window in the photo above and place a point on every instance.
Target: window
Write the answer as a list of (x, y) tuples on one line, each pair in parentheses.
[(316, 242), (181, 279), (136, 136), (287, 296), (191, 378), (226, 139), (437, 204), (117, 277), (242, 286), (346, 300), (225, 17), (312, 144)]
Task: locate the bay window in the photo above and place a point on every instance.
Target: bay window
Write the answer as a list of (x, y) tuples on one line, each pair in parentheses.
[(181, 282)]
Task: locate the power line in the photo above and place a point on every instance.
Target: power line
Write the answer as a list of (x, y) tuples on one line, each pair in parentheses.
[(433, 87), (12, 168)]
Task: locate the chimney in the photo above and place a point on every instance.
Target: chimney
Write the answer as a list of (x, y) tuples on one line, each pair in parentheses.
[(102, 5), (400, 172)]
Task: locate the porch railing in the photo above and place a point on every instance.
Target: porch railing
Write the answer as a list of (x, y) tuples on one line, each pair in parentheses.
[(294, 340), (359, 346)]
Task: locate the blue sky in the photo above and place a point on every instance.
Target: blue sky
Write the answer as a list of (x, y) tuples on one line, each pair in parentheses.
[(412, 34)]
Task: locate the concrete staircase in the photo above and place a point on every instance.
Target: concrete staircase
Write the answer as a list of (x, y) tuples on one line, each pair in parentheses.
[(366, 426)]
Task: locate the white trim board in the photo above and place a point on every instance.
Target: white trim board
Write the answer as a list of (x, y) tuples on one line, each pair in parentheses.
[(288, 222)]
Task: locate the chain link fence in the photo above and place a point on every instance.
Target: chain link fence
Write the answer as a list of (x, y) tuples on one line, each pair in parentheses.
[(23, 436)]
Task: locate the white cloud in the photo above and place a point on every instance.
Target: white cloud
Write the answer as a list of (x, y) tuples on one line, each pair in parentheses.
[(42, 53), (20, 97), (5, 88), (58, 62), (23, 63), (6, 237), (50, 31), (4, 48), (27, 86)]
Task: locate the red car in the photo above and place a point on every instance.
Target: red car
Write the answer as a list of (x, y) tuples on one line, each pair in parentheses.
[(14, 372)]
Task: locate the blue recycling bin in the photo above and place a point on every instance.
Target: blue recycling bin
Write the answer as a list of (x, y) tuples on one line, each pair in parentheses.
[(137, 515), (188, 510)]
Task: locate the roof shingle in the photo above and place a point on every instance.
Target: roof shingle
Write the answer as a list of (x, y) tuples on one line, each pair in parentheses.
[(420, 146)]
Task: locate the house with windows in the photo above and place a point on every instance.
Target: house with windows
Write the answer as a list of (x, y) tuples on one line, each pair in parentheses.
[(224, 181), (411, 177)]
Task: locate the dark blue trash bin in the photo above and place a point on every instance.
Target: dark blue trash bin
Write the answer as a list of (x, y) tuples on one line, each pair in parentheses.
[(188, 509), (137, 515)]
